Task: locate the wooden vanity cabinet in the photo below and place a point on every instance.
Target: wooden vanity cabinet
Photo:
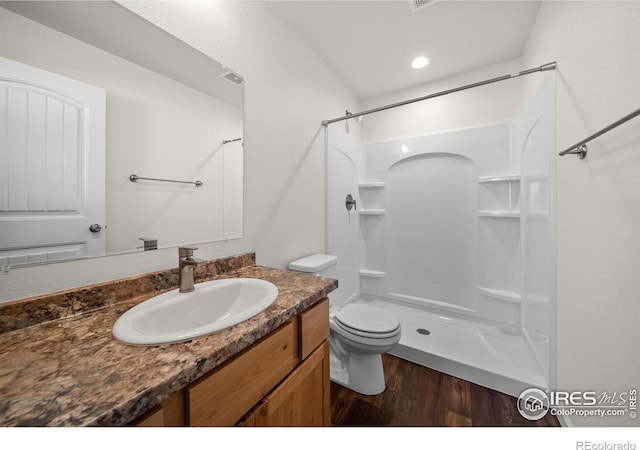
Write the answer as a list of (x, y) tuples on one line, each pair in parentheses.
[(281, 380), (170, 413), (302, 398), (225, 395)]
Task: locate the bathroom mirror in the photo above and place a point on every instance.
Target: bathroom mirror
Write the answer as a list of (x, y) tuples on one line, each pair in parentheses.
[(172, 118)]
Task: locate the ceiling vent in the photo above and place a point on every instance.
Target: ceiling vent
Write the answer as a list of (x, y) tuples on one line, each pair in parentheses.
[(232, 77), (416, 5)]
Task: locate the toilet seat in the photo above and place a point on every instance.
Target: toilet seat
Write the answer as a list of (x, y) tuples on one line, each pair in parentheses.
[(366, 321), (353, 334)]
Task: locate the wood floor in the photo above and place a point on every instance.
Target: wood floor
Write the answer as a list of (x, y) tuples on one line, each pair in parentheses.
[(419, 396)]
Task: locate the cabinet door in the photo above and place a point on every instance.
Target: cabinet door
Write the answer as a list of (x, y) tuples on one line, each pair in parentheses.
[(303, 398), (223, 397)]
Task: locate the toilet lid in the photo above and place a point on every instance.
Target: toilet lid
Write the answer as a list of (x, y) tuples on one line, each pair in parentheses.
[(367, 318)]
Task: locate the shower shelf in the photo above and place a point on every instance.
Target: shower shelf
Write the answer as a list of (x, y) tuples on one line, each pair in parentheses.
[(372, 273), (372, 185), (373, 212), (497, 179), (499, 196), (499, 214), (500, 294)]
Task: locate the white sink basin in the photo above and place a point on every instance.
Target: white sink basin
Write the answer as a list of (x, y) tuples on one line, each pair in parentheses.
[(212, 306)]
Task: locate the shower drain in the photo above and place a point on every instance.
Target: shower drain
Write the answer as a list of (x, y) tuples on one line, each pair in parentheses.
[(423, 331)]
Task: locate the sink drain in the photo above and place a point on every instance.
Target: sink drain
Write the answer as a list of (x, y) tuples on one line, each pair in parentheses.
[(423, 331)]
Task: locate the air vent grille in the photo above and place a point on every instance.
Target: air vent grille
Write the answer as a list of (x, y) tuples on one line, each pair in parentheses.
[(232, 77)]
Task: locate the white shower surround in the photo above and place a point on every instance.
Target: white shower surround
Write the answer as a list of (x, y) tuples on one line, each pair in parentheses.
[(454, 233)]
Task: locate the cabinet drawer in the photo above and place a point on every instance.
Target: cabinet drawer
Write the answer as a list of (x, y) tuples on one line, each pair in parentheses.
[(314, 327), (223, 397)]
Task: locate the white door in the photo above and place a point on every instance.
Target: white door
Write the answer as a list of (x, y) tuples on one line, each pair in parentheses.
[(52, 166)]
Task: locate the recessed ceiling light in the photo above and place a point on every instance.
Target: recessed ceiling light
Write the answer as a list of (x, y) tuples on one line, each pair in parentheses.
[(420, 62)]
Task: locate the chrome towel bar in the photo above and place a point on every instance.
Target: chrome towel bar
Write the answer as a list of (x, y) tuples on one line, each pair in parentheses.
[(135, 178), (580, 149)]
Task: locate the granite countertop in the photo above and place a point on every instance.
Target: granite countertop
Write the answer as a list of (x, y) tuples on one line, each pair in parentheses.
[(72, 372)]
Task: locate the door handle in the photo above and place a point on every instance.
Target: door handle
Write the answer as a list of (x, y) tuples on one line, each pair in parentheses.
[(95, 228)]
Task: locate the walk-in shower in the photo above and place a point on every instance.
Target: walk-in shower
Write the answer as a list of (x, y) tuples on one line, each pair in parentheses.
[(453, 232)]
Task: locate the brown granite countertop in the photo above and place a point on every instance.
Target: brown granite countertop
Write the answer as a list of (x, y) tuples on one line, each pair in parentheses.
[(72, 372)]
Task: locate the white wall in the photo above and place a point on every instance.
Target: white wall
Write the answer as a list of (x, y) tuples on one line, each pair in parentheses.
[(289, 90), (489, 104), (598, 199)]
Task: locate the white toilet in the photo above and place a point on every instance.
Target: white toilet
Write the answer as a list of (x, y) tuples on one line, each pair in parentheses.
[(359, 334)]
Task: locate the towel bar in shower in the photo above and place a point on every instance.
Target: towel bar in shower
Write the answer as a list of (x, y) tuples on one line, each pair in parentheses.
[(135, 178), (580, 149)]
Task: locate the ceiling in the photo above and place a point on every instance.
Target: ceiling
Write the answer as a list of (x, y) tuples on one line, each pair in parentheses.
[(370, 44)]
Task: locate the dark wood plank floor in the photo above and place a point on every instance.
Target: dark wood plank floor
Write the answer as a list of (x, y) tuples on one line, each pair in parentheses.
[(419, 396)]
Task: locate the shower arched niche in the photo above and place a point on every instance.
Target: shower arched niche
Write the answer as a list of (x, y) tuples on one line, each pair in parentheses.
[(453, 233)]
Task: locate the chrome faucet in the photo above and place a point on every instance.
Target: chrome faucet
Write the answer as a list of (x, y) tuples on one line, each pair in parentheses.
[(186, 268)]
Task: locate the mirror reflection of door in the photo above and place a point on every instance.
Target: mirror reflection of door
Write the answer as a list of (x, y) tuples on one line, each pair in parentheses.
[(52, 156)]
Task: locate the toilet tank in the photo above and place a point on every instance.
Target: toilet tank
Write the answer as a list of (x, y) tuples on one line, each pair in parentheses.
[(318, 264)]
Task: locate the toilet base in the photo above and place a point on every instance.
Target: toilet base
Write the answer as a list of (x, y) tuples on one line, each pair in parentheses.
[(363, 373), (366, 374), (340, 376)]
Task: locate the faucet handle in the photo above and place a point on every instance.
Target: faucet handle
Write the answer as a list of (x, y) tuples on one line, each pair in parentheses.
[(185, 252)]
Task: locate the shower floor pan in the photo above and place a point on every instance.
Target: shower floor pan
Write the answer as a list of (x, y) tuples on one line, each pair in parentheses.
[(469, 350)]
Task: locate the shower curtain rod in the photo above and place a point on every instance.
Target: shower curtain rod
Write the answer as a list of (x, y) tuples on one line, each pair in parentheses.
[(542, 68)]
